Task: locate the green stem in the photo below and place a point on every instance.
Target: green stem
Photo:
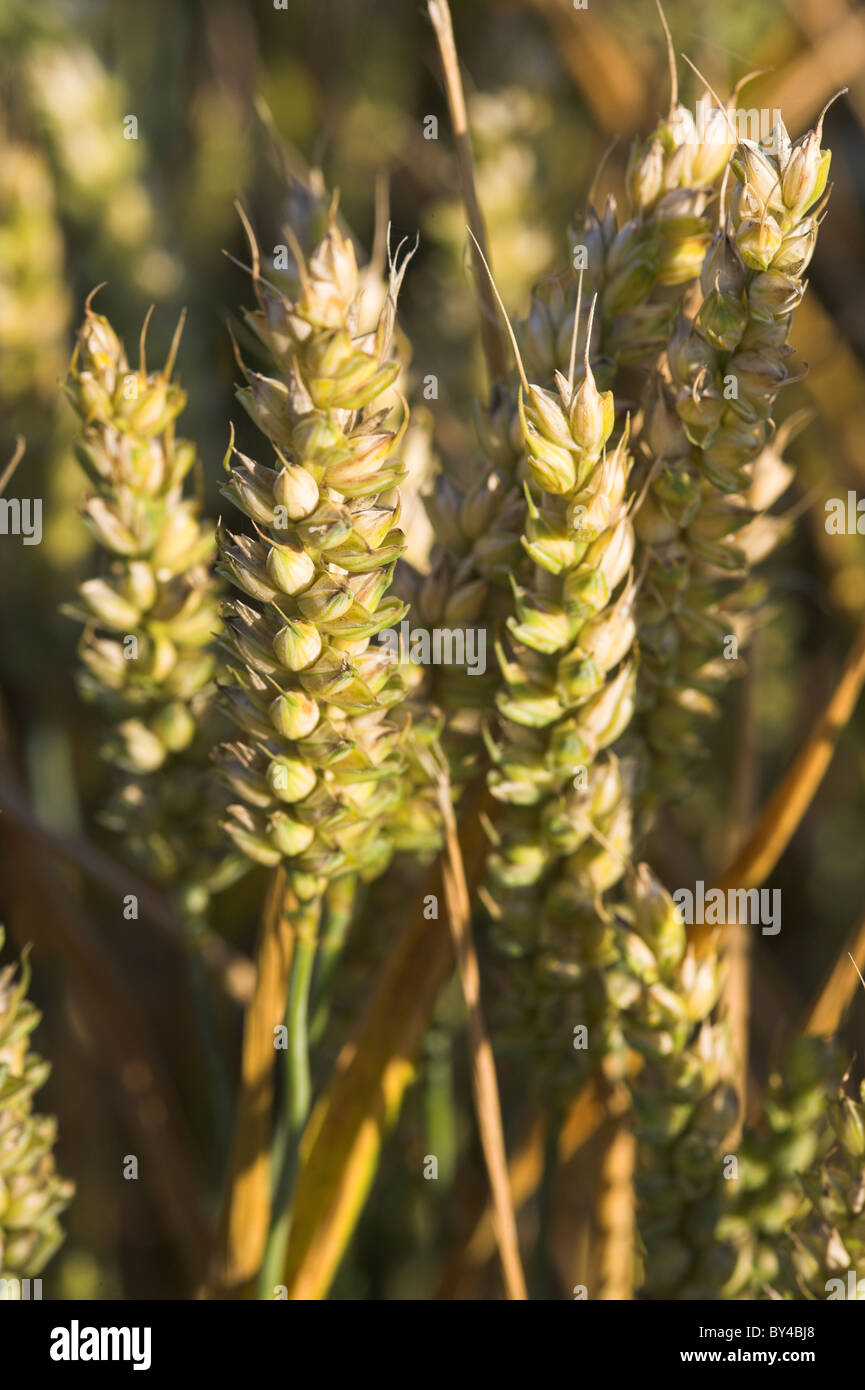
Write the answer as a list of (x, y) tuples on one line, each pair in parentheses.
[(296, 1100), (339, 902), (440, 1105)]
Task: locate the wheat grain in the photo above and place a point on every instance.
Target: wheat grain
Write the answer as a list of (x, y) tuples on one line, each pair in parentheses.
[(707, 422), (150, 615), (319, 768), (32, 1195), (767, 1198), (827, 1245)]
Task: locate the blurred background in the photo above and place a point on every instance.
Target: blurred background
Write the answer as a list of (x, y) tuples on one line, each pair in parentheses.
[(226, 95)]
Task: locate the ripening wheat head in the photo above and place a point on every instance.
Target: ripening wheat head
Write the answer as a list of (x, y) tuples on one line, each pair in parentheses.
[(319, 765), (32, 1195), (150, 616)]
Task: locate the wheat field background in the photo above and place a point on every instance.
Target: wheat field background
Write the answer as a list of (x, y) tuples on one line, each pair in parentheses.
[(251, 908)]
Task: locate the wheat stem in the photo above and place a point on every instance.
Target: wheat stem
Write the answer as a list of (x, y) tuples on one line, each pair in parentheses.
[(17, 456), (783, 813), (825, 1014), (736, 991), (246, 1201), (343, 1138), (484, 1080), (615, 1212), (295, 1103), (338, 910), (494, 351)]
